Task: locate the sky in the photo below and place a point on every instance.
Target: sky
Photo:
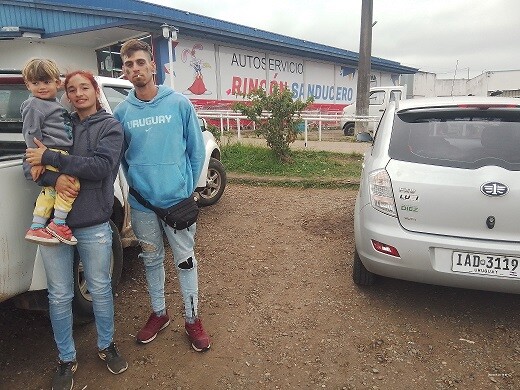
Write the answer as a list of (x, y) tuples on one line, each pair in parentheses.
[(451, 38)]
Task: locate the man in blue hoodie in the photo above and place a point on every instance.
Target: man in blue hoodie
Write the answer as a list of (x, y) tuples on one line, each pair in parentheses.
[(163, 159)]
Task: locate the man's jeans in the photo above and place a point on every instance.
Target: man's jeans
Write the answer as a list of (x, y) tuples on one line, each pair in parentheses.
[(148, 228), (95, 250)]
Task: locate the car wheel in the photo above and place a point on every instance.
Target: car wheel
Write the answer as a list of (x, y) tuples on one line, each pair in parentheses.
[(82, 303), (360, 275), (215, 183), (348, 129)]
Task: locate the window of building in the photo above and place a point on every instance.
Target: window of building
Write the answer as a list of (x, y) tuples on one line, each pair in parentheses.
[(109, 61)]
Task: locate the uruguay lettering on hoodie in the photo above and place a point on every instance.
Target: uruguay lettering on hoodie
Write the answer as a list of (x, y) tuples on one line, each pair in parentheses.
[(163, 148)]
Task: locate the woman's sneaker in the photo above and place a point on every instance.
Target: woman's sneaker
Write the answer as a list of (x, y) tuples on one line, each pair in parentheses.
[(62, 233), (41, 236), (116, 364), (63, 377)]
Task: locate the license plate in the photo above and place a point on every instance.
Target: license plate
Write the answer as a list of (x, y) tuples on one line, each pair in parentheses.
[(486, 264)]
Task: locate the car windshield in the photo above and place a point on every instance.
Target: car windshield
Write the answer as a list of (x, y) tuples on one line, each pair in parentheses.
[(115, 95), (467, 138)]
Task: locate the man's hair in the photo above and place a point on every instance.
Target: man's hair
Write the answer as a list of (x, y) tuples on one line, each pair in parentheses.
[(38, 69), (133, 45)]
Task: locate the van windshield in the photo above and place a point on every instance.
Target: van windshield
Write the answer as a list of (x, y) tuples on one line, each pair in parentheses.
[(467, 138)]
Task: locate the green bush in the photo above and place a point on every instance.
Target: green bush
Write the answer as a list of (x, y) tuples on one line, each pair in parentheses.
[(283, 113)]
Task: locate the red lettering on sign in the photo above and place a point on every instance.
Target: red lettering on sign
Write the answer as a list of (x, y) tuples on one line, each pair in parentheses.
[(241, 86), (236, 86)]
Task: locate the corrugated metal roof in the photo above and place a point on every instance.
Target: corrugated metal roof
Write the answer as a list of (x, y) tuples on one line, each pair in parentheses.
[(53, 20), (61, 17)]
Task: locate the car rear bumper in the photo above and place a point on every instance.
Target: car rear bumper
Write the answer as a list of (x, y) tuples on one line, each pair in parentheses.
[(425, 258)]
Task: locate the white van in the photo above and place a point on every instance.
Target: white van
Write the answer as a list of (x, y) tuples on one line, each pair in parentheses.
[(379, 99)]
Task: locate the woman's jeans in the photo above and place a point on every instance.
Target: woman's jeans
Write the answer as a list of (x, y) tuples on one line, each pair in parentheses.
[(148, 228), (95, 250)]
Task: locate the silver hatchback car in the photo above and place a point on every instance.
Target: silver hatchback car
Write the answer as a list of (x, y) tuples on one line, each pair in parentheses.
[(439, 198)]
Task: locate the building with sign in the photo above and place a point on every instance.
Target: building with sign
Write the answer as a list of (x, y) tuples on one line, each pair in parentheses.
[(214, 62)]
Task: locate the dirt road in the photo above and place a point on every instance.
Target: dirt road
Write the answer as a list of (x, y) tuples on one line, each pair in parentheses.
[(283, 313)]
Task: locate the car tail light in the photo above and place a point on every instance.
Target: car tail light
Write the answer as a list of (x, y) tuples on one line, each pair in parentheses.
[(384, 248), (381, 195)]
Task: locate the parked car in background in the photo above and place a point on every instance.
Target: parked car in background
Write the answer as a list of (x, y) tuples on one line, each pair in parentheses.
[(378, 100), (438, 197), (213, 180)]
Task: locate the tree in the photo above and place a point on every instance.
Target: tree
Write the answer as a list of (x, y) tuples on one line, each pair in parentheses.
[(275, 116)]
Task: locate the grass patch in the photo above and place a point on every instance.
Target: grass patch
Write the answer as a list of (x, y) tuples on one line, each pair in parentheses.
[(308, 168)]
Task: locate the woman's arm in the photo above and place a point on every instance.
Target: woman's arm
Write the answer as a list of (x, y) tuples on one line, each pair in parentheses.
[(47, 179), (107, 155), (65, 186)]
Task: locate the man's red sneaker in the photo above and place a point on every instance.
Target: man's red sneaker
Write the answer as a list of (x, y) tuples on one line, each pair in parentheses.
[(153, 326), (198, 337)]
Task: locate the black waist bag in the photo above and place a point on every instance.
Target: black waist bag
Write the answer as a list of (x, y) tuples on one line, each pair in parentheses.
[(179, 216)]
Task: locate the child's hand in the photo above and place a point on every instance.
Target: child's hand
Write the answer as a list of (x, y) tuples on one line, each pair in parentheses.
[(37, 171), (34, 155)]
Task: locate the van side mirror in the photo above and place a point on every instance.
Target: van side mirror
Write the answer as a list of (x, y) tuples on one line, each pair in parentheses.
[(364, 137)]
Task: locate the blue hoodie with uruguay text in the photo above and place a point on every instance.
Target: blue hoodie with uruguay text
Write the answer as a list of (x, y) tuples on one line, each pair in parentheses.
[(163, 148)]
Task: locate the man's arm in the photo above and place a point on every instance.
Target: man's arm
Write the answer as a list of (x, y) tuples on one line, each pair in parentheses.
[(194, 143)]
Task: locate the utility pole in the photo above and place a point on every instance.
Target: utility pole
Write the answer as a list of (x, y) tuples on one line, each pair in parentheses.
[(365, 52)]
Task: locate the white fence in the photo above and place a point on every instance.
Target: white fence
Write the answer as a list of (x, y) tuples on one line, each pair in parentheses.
[(227, 118)]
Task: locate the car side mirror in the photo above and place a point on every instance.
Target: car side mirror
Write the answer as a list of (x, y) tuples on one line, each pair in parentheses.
[(364, 137), (203, 124)]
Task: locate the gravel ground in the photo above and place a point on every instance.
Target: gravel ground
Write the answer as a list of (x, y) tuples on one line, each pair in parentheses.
[(283, 313)]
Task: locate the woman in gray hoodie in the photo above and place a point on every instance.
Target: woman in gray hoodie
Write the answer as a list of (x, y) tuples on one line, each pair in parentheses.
[(94, 160)]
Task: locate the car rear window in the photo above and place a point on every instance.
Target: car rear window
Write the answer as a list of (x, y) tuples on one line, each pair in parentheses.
[(459, 137)]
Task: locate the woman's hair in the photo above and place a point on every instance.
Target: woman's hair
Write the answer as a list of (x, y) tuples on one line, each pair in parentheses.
[(133, 45), (38, 69), (90, 77)]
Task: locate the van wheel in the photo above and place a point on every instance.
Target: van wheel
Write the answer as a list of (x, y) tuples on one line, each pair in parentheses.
[(82, 303), (360, 275), (215, 184), (348, 128)]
